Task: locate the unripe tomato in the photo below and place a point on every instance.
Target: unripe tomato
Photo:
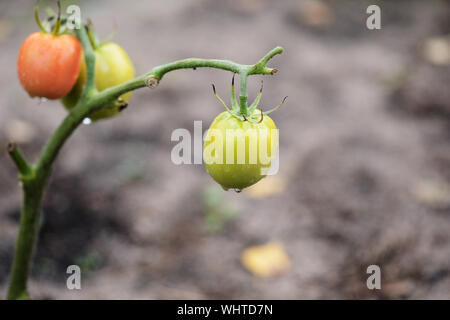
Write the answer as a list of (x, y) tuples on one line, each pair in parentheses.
[(48, 65), (112, 67), (252, 138)]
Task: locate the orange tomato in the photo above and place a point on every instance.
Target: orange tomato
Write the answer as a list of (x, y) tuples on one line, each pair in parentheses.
[(48, 65)]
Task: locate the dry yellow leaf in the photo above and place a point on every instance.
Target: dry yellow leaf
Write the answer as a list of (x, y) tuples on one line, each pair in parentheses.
[(433, 194), (315, 13), (268, 186), (437, 50), (266, 260)]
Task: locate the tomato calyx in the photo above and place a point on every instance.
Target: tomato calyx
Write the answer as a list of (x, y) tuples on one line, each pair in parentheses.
[(58, 20), (56, 28), (246, 113), (92, 36), (38, 20)]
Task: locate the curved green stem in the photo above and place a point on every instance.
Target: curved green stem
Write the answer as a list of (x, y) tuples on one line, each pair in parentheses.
[(89, 57), (160, 71), (157, 73), (38, 20), (261, 65), (34, 178)]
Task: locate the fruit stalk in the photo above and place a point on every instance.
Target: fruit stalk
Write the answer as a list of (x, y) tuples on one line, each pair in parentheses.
[(243, 94)]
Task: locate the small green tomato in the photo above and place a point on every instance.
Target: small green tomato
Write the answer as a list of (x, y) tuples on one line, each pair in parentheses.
[(238, 153), (112, 67), (239, 148)]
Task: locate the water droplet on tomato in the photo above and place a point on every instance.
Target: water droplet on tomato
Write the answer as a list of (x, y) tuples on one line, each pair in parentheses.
[(87, 121), (42, 100), (237, 190)]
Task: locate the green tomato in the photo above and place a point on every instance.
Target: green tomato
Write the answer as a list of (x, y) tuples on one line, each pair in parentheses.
[(112, 67), (238, 153)]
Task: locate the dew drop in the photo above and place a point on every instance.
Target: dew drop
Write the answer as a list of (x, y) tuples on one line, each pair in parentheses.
[(237, 190), (87, 121), (42, 100)]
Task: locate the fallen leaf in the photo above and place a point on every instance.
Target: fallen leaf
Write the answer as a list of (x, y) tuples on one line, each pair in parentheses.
[(315, 13), (436, 50), (266, 260), (268, 186), (433, 194)]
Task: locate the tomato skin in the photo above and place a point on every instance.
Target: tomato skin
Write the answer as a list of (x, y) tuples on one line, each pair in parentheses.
[(48, 65), (239, 175), (112, 67)]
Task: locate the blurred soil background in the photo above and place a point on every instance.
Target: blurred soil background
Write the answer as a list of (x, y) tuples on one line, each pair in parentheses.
[(364, 156)]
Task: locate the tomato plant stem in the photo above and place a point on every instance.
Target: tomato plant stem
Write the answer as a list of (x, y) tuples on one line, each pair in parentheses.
[(243, 94), (26, 240), (19, 160), (89, 57), (34, 177)]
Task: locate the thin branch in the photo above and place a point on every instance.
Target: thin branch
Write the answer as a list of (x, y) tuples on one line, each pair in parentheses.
[(160, 71), (153, 77), (260, 67), (18, 159)]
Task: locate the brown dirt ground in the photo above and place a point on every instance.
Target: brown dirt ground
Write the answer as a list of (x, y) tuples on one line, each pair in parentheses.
[(365, 126)]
